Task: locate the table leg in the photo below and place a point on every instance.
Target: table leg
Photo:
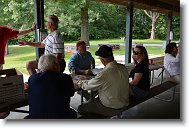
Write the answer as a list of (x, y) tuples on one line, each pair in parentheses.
[(81, 96)]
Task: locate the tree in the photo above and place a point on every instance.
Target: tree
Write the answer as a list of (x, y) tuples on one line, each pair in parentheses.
[(141, 24), (153, 16), (85, 22)]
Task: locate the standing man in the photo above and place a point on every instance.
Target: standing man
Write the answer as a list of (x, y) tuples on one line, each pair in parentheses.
[(5, 34), (53, 44), (112, 84)]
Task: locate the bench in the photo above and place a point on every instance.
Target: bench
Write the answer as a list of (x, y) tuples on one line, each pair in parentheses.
[(154, 91)]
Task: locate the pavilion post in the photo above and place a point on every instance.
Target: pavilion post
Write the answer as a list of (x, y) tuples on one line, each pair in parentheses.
[(39, 20), (129, 24)]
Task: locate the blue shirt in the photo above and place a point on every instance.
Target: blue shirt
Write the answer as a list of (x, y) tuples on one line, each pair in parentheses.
[(81, 62)]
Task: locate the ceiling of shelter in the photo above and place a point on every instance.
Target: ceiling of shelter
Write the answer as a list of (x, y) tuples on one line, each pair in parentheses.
[(162, 6)]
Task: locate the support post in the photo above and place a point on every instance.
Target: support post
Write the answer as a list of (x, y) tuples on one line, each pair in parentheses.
[(39, 20), (129, 24)]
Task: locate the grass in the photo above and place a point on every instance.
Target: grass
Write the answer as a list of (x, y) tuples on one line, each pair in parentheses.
[(119, 41), (19, 55)]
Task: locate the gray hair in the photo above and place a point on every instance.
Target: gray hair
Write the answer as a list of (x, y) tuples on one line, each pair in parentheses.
[(46, 62), (54, 20)]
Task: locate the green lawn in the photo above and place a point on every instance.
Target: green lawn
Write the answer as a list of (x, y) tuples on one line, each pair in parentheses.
[(19, 55), (119, 41)]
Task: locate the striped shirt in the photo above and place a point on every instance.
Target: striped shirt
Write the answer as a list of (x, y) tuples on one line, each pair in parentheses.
[(54, 43)]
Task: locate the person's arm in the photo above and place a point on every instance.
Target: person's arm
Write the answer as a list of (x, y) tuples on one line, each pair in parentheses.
[(84, 72), (94, 84), (171, 58), (23, 32), (34, 44), (136, 79), (93, 63), (59, 56)]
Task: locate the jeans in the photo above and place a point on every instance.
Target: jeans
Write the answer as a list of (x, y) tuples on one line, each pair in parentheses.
[(139, 93)]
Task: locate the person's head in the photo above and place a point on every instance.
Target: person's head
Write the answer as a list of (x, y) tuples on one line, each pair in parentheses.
[(171, 48), (105, 54), (48, 63), (81, 47), (140, 54), (52, 22)]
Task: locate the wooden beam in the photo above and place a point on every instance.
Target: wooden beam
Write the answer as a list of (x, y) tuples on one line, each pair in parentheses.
[(161, 6)]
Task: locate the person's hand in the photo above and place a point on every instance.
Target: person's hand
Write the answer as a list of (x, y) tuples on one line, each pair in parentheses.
[(26, 86), (33, 26), (23, 43), (88, 72), (75, 84)]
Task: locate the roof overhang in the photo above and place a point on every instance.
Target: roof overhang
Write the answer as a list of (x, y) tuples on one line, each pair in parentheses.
[(162, 6)]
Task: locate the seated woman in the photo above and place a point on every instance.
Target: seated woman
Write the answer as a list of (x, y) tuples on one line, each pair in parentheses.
[(172, 62), (140, 84), (50, 91)]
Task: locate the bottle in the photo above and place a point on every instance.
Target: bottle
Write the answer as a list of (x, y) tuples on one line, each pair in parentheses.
[(72, 72)]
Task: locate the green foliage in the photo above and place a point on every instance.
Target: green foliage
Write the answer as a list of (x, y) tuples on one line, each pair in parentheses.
[(105, 20), (176, 28), (141, 25), (107, 26), (161, 27)]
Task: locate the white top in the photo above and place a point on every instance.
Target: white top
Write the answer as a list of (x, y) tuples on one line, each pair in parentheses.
[(54, 43), (112, 84), (172, 64)]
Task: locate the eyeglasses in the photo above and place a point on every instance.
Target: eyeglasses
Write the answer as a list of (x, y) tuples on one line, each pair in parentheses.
[(136, 53)]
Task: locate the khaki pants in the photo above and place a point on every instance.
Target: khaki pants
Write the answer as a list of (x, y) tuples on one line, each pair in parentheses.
[(95, 106)]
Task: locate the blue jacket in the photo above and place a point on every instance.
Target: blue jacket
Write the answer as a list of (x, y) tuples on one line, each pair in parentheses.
[(49, 95)]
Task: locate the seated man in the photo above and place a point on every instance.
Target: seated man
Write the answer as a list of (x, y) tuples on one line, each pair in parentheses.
[(112, 84), (50, 91), (82, 61)]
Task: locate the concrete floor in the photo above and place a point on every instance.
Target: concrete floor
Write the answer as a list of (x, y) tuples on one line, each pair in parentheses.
[(151, 109)]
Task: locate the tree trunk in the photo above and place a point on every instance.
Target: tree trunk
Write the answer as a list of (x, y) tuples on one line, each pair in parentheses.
[(153, 16), (153, 30), (85, 24)]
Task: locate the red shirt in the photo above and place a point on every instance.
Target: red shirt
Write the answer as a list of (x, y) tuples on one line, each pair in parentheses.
[(5, 34)]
